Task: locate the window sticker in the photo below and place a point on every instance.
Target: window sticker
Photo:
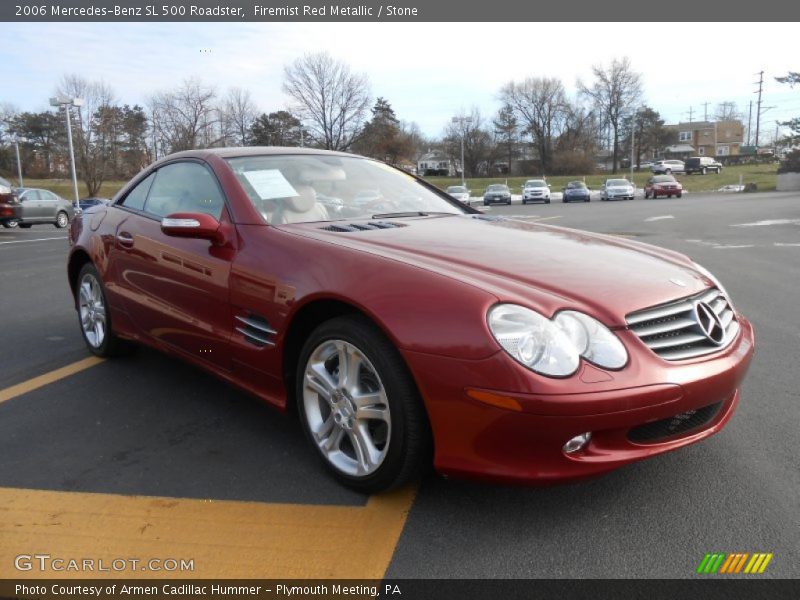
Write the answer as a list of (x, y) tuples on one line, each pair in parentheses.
[(270, 183)]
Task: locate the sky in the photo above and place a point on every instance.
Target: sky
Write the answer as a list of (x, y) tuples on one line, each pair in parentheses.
[(428, 71)]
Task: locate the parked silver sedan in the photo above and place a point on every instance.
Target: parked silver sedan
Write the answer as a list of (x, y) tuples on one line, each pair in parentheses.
[(43, 206)]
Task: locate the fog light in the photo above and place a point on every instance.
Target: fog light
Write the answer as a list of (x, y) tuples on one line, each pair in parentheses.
[(577, 443)]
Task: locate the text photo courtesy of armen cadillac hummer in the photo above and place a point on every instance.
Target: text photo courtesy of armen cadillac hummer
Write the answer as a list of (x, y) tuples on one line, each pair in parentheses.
[(359, 305)]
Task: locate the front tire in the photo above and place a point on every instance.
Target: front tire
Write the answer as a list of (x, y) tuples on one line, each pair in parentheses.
[(360, 407), (94, 316), (62, 220), (10, 224)]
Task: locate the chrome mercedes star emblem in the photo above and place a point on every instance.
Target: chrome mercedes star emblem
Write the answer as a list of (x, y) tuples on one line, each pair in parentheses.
[(678, 282), (709, 323)]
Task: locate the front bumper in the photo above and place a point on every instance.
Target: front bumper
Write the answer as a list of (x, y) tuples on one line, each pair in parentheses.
[(525, 445)]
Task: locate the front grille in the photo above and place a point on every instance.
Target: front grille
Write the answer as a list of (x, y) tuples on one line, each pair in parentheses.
[(678, 330), (681, 423)]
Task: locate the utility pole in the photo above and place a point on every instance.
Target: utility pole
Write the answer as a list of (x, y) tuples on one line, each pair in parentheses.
[(705, 111), (691, 112), (749, 122), (758, 105)]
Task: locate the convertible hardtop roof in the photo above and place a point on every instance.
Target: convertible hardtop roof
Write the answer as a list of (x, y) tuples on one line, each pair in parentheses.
[(255, 151)]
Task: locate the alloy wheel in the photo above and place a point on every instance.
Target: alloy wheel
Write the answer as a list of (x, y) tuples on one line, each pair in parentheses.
[(92, 310), (346, 408)]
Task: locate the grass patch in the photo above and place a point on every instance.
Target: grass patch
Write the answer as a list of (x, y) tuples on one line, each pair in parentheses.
[(763, 175), (63, 187)]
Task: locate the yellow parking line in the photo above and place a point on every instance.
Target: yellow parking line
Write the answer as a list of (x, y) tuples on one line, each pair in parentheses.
[(48, 378), (223, 538)]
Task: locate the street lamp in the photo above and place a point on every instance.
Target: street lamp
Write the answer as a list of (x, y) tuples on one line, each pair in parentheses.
[(461, 121), (19, 163), (66, 102)]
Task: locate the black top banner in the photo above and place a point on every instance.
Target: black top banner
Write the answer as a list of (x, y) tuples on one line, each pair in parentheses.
[(399, 11)]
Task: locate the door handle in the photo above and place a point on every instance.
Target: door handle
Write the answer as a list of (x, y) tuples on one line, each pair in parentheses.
[(125, 239)]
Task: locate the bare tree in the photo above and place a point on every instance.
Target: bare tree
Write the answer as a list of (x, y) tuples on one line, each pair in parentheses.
[(238, 115), (92, 137), (727, 111), (333, 100), (186, 118), (615, 92), (541, 106), (479, 151)]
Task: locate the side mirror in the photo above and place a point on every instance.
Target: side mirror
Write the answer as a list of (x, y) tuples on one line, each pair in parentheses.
[(193, 225)]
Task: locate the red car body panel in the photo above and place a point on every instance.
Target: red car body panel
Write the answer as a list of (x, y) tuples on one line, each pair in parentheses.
[(428, 285)]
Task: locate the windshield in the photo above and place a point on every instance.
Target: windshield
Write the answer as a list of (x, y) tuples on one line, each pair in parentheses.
[(456, 189), (617, 183), (535, 184), (496, 188), (304, 188), (575, 185), (663, 179)]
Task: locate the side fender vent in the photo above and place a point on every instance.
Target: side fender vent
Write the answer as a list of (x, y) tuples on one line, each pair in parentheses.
[(256, 330)]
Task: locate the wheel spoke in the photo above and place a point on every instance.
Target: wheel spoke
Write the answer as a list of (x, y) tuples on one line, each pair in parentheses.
[(349, 366), (367, 455), (377, 413), (318, 379), (323, 432), (85, 294), (333, 441)]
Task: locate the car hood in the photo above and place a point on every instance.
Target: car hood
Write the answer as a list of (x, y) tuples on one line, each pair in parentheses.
[(547, 268)]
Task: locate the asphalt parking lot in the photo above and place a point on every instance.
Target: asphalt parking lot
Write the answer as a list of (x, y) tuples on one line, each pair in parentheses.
[(147, 456)]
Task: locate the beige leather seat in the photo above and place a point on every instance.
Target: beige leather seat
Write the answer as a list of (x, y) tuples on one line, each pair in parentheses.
[(302, 208)]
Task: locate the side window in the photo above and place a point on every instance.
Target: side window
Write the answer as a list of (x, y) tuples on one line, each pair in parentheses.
[(136, 197), (185, 187), (45, 195), (30, 196)]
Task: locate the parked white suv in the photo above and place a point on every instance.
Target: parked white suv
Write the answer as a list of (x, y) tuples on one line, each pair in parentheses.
[(665, 167), (536, 190)]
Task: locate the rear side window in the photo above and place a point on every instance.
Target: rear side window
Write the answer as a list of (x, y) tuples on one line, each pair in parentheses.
[(184, 187), (136, 197)]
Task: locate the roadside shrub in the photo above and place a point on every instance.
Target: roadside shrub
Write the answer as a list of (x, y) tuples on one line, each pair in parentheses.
[(569, 163), (790, 164)]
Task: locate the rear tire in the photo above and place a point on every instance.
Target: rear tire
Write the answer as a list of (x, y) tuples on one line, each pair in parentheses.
[(369, 427), (62, 220), (94, 315), (10, 224), (25, 225)]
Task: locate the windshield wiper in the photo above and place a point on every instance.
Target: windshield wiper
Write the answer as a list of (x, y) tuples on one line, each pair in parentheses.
[(415, 213)]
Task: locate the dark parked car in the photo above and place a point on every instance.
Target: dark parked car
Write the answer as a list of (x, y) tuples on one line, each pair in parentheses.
[(43, 206), (576, 191), (10, 208), (87, 203), (702, 165), (433, 333), (662, 185), (497, 192)]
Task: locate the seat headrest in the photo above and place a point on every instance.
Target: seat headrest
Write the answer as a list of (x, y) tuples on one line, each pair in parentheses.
[(304, 201)]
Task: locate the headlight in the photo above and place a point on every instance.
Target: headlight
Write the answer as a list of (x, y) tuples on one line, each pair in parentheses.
[(593, 340), (554, 348), (533, 340), (716, 281)]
